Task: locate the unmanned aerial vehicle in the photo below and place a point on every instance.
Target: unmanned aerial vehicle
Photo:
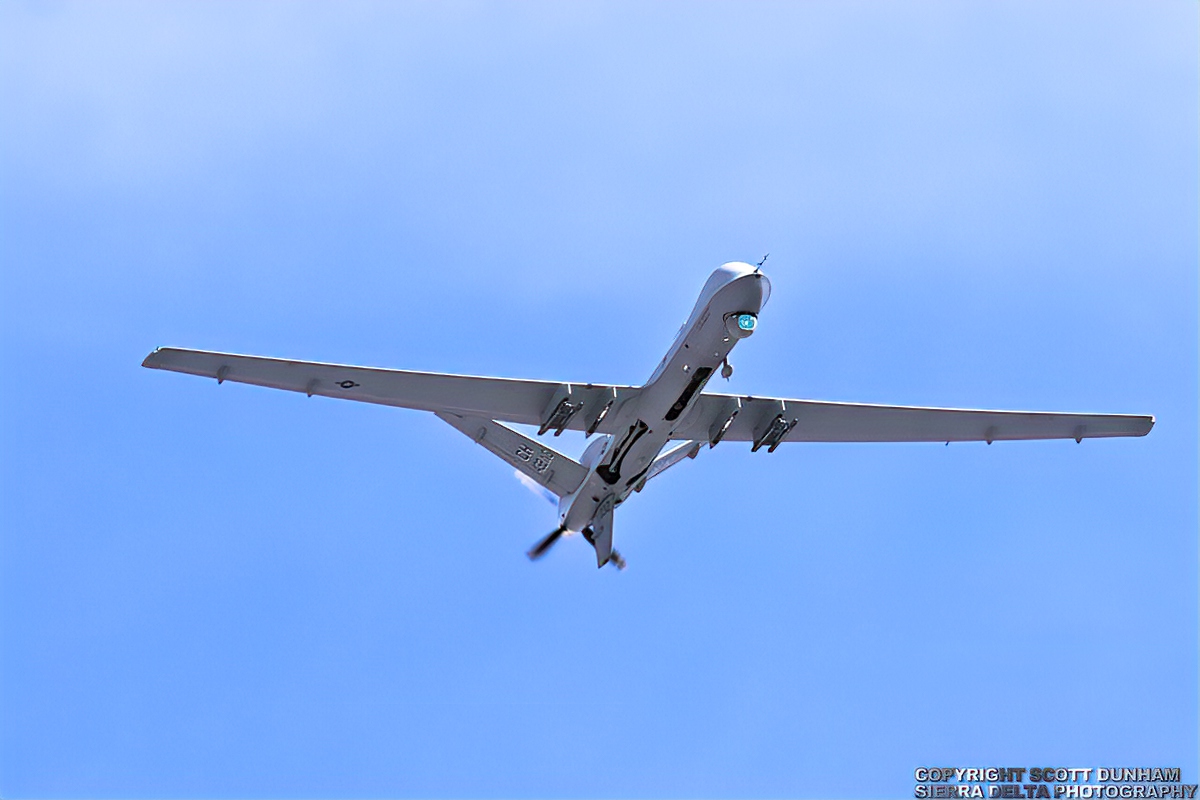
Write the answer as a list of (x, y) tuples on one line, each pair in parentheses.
[(636, 423)]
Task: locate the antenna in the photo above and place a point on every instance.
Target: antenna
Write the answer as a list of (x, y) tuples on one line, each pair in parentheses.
[(761, 262)]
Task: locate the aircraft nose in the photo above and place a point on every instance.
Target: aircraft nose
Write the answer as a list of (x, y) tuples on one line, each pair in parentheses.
[(751, 291), (764, 289)]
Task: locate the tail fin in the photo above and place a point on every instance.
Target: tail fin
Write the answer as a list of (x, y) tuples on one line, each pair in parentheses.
[(600, 534), (547, 467)]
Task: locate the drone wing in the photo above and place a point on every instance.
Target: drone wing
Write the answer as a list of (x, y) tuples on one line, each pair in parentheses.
[(577, 406), (771, 421)]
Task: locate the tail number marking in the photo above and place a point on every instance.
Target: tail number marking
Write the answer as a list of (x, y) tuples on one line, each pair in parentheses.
[(539, 460)]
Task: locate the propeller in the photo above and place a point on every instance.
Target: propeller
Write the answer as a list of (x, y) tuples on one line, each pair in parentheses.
[(544, 544)]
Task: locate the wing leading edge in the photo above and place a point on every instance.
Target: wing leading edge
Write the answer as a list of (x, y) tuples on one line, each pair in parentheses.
[(750, 419), (527, 402)]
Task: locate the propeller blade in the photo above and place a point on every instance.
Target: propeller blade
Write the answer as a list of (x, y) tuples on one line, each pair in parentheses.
[(539, 549)]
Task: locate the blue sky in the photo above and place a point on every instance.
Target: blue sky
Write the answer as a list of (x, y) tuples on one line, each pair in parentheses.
[(237, 592)]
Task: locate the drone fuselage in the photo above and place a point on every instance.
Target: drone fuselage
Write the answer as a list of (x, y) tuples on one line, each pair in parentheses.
[(726, 311)]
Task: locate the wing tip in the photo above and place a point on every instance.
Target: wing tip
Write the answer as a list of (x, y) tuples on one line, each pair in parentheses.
[(151, 361), (1131, 425)]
